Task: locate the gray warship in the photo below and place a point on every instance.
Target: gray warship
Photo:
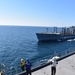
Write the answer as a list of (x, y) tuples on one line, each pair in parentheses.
[(66, 33)]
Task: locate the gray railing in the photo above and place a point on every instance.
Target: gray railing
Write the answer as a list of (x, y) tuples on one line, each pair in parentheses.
[(66, 53), (41, 61), (4, 69), (46, 58)]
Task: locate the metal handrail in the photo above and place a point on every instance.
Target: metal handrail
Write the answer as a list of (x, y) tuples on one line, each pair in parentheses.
[(4, 67), (46, 58), (40, 62)]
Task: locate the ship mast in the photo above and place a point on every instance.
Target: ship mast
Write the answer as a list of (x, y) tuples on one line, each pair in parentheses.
[(55, 29), (47, 30)]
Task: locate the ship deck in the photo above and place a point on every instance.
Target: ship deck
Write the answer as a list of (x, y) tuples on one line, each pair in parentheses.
[(64, 67)]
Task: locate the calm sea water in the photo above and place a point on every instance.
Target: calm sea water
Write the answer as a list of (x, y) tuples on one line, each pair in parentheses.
[(18, 42)]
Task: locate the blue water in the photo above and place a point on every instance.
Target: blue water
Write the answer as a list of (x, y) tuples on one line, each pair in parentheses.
[(18, 42)]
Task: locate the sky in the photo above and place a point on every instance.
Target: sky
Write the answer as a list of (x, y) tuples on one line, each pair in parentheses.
[(37, 12)]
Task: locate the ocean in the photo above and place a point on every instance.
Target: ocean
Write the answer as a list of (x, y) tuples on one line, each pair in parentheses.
[(18, 42)]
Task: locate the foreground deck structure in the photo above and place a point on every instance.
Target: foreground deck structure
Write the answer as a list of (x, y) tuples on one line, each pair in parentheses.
[(65, 66)]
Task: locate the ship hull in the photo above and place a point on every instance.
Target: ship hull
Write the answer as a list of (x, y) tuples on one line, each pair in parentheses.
[(53, 37)]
